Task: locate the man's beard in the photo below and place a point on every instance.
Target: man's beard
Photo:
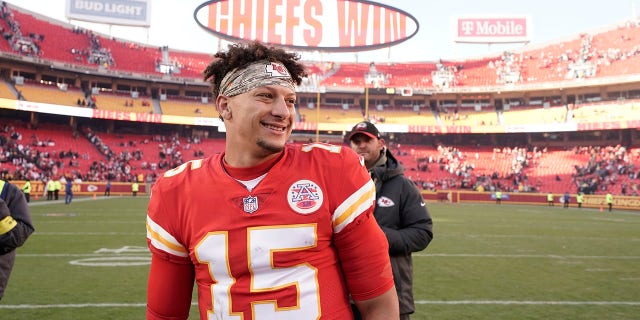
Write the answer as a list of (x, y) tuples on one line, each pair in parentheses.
[(270, 148)]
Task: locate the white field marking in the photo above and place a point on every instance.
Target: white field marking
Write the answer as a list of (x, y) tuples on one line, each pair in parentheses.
[(522, 236), (598, 270), (422, 255), (570, 262), (74, 306), (125, 249), (523, 208), (89, 221), (520, 256), (118, 261), (71, 255), (89, 233), (447, 302), (611, 219), (526, 302), (62, 214)]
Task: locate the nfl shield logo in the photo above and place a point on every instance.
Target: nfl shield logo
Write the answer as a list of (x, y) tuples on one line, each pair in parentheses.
[(250, 204)]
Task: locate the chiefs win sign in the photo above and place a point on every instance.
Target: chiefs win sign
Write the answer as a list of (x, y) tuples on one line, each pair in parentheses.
[(328, 25)]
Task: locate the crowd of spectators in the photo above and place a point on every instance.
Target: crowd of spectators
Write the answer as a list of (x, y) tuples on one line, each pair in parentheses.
[(460, 166), (38, 160), (94, 52), (451, 168), (448, 167), (605, 168), (98, 54), (27, 45), (32, 160), (508, 68), (566, 58)]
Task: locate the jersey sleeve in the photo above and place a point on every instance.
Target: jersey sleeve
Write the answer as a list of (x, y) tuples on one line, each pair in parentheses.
[(363, 251), (361, 244), (171, 276), (169, 289), (162, 226)]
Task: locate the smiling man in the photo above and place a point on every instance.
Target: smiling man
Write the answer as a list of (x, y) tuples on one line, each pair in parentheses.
[(267, 230), (400, 209)]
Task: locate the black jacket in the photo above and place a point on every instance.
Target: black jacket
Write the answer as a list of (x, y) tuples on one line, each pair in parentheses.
[(403, 216), (14, 204)]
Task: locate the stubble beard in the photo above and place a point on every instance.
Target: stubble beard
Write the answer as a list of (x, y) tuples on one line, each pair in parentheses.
[(270, 148)]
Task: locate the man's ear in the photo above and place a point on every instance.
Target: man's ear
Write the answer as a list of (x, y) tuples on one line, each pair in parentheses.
[(222, 105)]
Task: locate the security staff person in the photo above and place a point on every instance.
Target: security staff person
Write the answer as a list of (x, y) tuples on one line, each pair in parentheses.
[(26, 189), (134, 188), (15, 228), (580, 199)]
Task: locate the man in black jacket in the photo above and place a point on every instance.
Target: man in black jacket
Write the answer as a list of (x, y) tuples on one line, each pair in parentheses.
[(15, 228), (400, 209)]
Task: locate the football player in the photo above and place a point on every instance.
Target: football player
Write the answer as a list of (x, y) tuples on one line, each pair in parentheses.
[(266, 229)]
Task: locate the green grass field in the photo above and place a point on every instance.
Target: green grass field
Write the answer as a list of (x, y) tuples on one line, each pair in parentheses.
[(89, 260)]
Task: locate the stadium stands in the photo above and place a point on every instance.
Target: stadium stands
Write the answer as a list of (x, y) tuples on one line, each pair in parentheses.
[(122, 102), (611, 53), (188, 108), (32, 91), (58, 43), (6, 91)]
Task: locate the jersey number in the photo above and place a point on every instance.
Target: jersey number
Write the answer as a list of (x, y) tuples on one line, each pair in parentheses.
[(263, 243)]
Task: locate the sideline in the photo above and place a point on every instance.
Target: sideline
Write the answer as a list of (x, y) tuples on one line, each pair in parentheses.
[(80, 199)]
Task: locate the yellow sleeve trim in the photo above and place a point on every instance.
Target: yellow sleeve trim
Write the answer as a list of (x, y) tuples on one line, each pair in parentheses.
[(7, 224)]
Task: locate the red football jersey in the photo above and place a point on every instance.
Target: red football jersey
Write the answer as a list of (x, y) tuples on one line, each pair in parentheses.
[(279, 251)]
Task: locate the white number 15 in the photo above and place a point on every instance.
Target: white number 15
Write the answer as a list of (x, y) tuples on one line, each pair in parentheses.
[(263, 243)]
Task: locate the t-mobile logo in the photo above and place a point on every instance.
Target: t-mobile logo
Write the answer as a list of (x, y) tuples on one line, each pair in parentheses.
[(467, 27)]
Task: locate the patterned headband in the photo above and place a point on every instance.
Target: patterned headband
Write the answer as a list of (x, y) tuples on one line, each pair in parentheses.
[(257, 74)]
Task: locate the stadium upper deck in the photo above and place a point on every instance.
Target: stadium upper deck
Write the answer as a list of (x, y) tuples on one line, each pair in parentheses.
[(580, 87), (612, 52)]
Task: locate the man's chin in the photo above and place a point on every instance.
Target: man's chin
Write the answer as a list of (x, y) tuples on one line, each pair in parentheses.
[(271, 147)]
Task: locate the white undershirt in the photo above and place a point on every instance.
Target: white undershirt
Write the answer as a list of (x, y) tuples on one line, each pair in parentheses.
[(250, 184)]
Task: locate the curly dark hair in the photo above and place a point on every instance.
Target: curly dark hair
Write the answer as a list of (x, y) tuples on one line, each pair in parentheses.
[(239, 55)]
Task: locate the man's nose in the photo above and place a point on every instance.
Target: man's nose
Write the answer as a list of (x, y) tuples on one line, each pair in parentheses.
[(280, 108)]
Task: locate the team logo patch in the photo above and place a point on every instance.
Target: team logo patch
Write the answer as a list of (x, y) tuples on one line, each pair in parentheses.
[(276, 70), (361, 127), (385, 202), (305, 197), (250, 204)]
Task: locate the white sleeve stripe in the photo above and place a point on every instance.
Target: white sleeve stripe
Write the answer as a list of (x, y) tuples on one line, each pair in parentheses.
[(353, 206), (163, 240)]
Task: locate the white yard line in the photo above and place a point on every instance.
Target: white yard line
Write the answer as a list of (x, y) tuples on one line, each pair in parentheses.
[(520, 256), (431, 302), (527, 302)]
